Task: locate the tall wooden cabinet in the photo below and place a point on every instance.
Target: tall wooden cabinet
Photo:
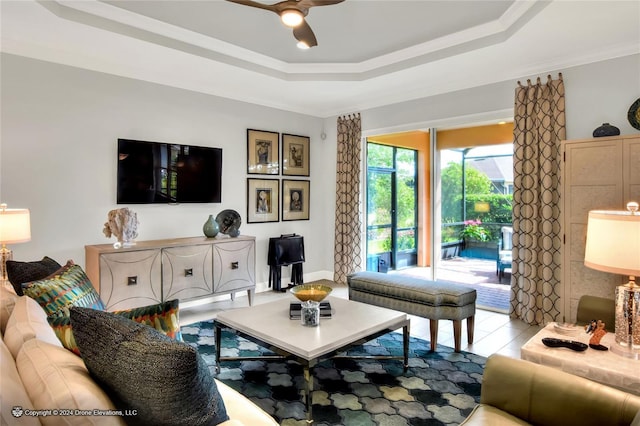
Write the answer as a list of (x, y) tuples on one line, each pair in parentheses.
[(193, 270), (597, 174)]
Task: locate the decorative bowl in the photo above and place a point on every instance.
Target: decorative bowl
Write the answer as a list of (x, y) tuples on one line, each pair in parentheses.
[(315, 292)]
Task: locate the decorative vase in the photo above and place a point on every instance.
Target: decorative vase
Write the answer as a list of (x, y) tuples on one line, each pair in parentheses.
[(310, 313), (211, 227), (606, 130)]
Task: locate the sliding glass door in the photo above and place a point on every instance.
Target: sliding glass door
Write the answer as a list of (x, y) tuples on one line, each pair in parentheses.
[(391, 207)]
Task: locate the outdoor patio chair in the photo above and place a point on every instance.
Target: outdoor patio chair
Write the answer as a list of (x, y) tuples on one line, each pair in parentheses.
[(503, 260)]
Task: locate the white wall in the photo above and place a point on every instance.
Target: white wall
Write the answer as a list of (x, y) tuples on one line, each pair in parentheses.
[(60, 126), (595, 94)]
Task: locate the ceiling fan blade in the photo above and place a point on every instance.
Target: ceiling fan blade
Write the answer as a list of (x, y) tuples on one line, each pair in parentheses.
[(270, 7), (312, 3), (304, 33)]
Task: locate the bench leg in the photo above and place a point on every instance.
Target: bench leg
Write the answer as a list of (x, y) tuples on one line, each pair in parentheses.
[(457, 330), (433, 332), (470, 324)]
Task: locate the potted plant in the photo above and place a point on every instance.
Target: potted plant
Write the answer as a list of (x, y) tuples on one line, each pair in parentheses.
[(474, 231), (476, 241)]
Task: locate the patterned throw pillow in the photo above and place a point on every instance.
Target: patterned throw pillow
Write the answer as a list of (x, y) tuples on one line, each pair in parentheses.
[(68, 286), (166, 381), (162, 316), (23, 272)]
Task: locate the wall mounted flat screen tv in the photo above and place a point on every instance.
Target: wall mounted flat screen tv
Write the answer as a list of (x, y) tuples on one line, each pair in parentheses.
[(155, 172)]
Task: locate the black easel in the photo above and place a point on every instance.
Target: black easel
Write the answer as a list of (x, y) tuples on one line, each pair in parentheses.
[(285, 250)]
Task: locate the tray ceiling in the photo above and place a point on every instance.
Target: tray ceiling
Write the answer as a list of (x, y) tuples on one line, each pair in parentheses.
[(369, 53)]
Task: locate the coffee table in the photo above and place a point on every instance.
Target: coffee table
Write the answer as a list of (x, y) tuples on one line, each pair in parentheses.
[(351, 323)]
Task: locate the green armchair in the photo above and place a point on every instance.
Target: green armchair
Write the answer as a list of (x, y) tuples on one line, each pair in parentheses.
[(518, 392)]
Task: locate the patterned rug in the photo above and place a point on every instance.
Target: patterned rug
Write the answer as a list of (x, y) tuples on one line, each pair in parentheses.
[(439, 388)]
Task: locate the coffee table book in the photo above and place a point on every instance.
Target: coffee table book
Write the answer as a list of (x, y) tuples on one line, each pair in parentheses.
[(296, 307)]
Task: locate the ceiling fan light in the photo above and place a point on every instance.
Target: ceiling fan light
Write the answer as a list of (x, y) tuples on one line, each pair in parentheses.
[(291, 17), (302, 45)]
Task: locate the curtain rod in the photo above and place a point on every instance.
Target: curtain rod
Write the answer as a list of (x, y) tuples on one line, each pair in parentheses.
[(549, 79)]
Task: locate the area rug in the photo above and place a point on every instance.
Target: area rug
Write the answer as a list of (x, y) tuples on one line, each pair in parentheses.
[(439, 388)]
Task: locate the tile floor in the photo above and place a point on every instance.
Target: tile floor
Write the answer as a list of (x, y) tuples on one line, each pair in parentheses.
[(494, 332)]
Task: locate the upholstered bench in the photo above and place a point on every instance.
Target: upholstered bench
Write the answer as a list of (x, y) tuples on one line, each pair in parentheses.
[(434, 300)]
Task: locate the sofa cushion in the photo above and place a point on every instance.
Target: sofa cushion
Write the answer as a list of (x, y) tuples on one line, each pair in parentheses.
[(8, 299), (13, 392), (68, 286), (28, 321), (56, 378), (23, 272), (162, 316), (164, 380)]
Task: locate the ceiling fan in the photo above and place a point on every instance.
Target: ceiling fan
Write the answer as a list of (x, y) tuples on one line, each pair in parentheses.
[(292, 14)]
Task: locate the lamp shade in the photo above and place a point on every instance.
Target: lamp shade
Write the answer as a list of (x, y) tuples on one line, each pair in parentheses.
[(613, 242), (15, 226)]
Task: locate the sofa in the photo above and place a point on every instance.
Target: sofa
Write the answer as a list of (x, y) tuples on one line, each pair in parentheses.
[(45, 383), (518, 392)]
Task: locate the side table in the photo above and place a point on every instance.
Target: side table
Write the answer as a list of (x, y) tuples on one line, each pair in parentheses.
[(600, 366)]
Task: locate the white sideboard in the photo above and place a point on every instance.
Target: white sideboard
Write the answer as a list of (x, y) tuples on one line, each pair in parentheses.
[(193, 270)]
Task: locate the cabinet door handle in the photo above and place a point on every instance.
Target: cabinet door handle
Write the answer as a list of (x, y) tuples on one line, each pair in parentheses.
[(132, 280), (234, 265), (188, 272)]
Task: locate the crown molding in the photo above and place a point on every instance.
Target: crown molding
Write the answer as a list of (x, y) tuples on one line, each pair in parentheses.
[(111, 18)]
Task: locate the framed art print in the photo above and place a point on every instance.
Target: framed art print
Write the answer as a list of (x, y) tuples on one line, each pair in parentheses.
[(295, 199), (263, 154), (295, 155), (263, 200)]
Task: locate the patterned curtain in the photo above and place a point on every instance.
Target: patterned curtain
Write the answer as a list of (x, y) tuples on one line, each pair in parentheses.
[(539, 126), (347, 251)]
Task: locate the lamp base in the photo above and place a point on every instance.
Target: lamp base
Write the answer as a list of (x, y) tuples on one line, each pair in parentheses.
[(627, 325), (5, 254), (625, 351)]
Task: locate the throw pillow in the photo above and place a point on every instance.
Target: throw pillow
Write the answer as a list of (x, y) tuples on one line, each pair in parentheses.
[(162, 316), (54, 378), (165, 381), (24, 272), (68, 286), (28, 321)]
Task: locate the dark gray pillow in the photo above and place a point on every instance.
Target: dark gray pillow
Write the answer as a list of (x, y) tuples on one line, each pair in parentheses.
[(24, 272), (165, 381)]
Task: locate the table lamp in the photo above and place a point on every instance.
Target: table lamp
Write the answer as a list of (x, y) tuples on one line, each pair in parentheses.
[(613, 245), (15, 227)]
